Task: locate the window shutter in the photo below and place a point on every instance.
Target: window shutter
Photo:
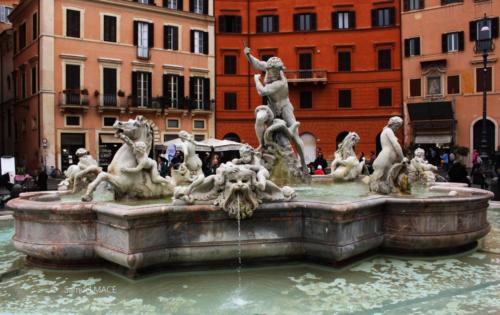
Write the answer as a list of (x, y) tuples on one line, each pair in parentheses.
[(444, 44), (374, 17), (406, 5), (335, 20), (192, 82), (205, 43), (151, 35), (494, 27), (136, 29), (352, 19), (421, 4), (206, 93), (166, 95), (180, 5), (392, 16), (222, 23), (205, 6), (417, 46), (296, 22), (407, 47), (191, 5), (276, 23), (151, 2), (175, 38), (461, 41), (180, 90), (472, 31), (150, 88), (313, 21), (134, 86), (238, 24), (192, 41), (259, 24), (165, 37)]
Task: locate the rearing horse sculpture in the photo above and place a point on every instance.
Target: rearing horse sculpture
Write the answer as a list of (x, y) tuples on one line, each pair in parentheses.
[(136, 185)]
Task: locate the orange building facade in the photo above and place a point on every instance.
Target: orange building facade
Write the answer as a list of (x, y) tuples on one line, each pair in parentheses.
[(80, 65), (443, 75), (342, 59)]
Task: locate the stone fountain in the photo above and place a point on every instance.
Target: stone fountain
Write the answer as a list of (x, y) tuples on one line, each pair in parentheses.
[(131, 219)]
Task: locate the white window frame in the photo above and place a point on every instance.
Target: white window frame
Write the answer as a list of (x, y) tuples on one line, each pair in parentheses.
[(179, 37), (383, 17), (199, 92), (198, 42), (412, 47), (80, 119), (479, 25), (305, 23), (452, 42), (82, 21), (143, 39), (172, 119), (117, 16), (414, 5), (108, 116), (343, 20), (173, 4), (268, 24), (4, 14), (204, 124), (142, 89), (198, 6)]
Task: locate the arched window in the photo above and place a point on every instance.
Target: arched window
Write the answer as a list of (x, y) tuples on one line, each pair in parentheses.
[(340, 138), (309, 147), (490, 135), (232, 136)]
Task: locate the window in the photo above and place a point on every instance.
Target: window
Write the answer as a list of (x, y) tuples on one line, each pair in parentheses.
[(268, 24), (383, 17), (480, 76), (415, 87), (199, 137), (173, 90), (109, 32), (141, 88), (198, 6), (173, 123), (306, 99), (229, 64), (143, 38), (343, 20), (199, 42), (4, 14), (109, 83), (385, 97), (412, 47), (73, 23), (230, 24), (384, 59), (199, 93), (198, 124), (304, 22), (453, 84), (72, 84), (109, 121), (22, 36), (452, 42), (23, 84), (171, 37), (409, 5), (146, 1), (434, 85), (305, 65), (72, 121), (344, 60), (475, 27), (230, 99), (34, 26), (168, 137), (445, 2), (34, 79), (345, 98), (173, 4)]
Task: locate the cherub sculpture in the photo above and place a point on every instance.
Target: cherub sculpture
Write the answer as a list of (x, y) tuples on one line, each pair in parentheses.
[(77, 175), (420, 170), (346, 165), (145, 163)]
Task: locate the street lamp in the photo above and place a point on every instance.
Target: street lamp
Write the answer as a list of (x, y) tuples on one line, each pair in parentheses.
[(484, 44)]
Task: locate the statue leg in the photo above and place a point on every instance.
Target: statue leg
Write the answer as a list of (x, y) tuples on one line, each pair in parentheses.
[(83, 173), (288, 116), (92, 186), (260, 126)]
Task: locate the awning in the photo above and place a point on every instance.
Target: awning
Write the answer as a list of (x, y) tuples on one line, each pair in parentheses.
[(200, 147), (222, 145), (430, 111), (433, 139), (108, 138)]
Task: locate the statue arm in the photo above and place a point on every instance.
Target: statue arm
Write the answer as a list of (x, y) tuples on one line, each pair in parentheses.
[(140, 166), (256, 63), (268, 89), (395, 145)]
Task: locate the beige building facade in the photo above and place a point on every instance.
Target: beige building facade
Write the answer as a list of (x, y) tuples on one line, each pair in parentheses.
[(443, 74), (80, 65)]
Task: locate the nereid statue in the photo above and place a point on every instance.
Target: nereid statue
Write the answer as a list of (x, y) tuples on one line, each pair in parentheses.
[(346, 165), (420, 170), (390, 168), (131, 173), (275, 123), (80, 174), (238, 187)]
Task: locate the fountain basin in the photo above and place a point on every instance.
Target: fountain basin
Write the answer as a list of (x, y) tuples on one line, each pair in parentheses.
[(57, 234)]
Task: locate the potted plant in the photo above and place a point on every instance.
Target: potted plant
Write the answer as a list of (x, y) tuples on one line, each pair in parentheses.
[(120, 93), (96, 93), (85, 92)]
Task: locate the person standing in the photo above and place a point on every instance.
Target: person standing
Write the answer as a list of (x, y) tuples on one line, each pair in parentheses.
[(42, 179)]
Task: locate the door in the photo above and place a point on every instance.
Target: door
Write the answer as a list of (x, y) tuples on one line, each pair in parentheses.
[(109, 86), (305, 65), (72, 90), (70, 142)]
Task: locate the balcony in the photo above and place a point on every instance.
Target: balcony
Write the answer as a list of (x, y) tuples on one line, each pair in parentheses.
[(77, 100), (145, 105), (202, 108), (111, 103), (307, 76)]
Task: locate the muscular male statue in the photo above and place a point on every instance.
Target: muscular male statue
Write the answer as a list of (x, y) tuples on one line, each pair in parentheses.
[(275, 89)]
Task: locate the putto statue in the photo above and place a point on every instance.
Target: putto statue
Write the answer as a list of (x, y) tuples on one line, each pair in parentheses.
[(346, 165), (420, 170), (238, 187), (390, 168), (131, 173), (77, 176), (275, 123)]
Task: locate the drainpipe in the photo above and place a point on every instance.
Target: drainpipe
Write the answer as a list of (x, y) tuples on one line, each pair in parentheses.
[(2, 101), (38, 90), (248, 63), (401, 75)]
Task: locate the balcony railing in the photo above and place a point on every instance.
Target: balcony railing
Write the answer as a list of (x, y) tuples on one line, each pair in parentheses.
[(111, 102), (162, 103), (307, 76), (69, 99)]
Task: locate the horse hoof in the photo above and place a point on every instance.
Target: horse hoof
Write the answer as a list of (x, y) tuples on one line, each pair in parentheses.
[(87, 198)]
